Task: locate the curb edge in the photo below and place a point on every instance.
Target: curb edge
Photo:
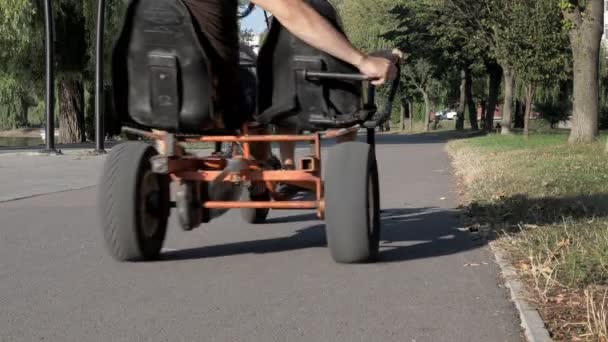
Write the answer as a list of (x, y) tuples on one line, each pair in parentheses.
[(533, 325)]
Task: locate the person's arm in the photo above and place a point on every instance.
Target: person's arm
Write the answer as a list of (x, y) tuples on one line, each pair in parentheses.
[(305, 23)]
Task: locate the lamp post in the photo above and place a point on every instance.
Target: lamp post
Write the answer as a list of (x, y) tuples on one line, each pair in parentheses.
[(99, 91), (49, 28)]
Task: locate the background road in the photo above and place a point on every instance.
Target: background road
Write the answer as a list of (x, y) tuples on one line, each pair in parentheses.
[(229, 281)]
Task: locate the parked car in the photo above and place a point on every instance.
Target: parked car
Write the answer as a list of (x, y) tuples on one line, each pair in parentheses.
[(451, 115)]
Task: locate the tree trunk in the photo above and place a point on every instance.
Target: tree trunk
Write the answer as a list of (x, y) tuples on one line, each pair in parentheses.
[(518, 121), (530, 90), (470, 101), (71, 111), (585, 41), (427, 111), (23, 108), (387, 126), (495, 73), (507, 111), (483, 106), (89, 112), (403, 115), (463, 101), (410, 108)]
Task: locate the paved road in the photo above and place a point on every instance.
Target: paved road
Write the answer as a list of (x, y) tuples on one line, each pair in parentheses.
[(233, 282)]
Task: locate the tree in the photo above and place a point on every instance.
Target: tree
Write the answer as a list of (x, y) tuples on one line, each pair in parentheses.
[(464, 49), (585, 23), (377, 18), (71, 52), (20, 60), (426, 63), (554, 111), (483, 19), (420, 75), (21, 27), (535, 53), (246, 36)]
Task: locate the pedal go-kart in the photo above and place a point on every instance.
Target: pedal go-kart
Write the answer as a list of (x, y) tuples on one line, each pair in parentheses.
[(162, 81)]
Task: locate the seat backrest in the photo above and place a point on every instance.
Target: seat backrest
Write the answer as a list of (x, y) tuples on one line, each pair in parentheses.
[(161, 74), (286, 98)]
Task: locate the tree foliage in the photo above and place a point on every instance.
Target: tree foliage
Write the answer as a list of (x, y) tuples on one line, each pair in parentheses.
[(21, 59), (457, 51)]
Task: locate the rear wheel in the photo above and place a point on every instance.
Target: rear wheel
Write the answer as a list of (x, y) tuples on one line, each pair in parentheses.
[(352, 203), (259, 193), (256, 216), (133, 203)]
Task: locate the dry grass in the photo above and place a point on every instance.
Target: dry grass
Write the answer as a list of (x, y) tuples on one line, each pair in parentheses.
[(597, 315), (547, 204)]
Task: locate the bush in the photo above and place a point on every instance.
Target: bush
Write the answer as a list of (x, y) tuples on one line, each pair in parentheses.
[(554, 112)]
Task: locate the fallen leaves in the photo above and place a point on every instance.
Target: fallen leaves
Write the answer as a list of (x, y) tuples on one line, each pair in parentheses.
[(524, 266), (474, 264)]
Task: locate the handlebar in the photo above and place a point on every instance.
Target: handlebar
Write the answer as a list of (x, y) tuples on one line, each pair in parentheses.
[(319, 75)]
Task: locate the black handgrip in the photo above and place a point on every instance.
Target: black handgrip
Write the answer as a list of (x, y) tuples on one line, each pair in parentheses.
[(395, 84), (392, 93)]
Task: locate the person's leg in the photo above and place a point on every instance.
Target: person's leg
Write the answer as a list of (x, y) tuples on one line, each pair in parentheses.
[(217, 24), (287, 149), (288, 161)]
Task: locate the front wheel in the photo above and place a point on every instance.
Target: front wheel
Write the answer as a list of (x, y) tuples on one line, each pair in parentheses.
[(352, 203), (134, 203)]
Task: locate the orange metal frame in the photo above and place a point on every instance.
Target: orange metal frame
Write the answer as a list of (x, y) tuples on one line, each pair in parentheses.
[(211, 169)]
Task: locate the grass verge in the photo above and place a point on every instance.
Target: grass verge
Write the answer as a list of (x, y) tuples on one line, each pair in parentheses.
[(546, 203)]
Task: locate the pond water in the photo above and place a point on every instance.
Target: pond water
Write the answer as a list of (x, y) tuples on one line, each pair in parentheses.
[(20, 142)]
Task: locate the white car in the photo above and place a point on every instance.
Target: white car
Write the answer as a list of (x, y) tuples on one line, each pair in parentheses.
[(451, 115)]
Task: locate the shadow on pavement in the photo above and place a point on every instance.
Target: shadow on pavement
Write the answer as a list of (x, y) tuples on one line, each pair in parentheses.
[(293, 218), (550, 210), (424, 138), (408, 234), (310, 237)]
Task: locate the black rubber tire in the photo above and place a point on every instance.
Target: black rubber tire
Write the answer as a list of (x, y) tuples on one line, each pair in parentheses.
[(259, 216), (352, 203), (121, 203), (256, 216)]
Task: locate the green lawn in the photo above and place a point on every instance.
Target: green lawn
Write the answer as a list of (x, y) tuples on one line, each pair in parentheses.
[(547, 203)]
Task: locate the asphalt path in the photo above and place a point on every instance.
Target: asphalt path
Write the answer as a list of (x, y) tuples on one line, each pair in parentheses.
[(229, 281)]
